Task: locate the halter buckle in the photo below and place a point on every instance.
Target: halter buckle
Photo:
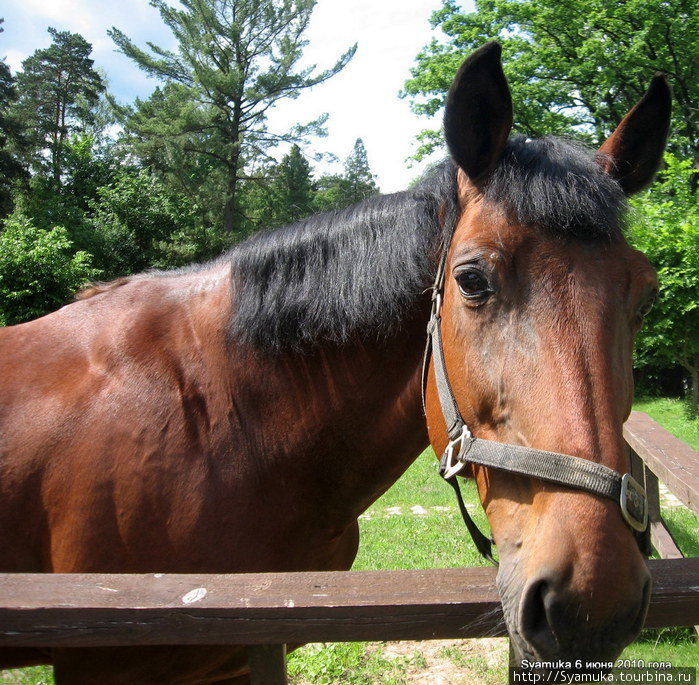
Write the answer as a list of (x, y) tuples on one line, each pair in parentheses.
[(449, 464), (634, 505), (436, 305)]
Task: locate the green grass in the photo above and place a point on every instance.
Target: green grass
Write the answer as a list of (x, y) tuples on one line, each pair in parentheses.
[(345, 662), (672, 414), (437, 539), (37, 675)]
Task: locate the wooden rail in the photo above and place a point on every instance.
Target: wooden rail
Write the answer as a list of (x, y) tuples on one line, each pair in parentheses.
[(672, 461), (76, 610), (656, 455)]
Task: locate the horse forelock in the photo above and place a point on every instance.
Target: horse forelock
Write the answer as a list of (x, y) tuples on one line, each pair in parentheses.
[(559, 186)]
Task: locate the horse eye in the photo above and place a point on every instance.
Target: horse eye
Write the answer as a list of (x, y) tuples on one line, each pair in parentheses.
[(473, 284)]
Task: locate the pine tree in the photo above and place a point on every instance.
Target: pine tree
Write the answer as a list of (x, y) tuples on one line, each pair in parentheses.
[(360, 180), (58, 90), (356, 184), (292, 190), (235, 60), (10, 141)]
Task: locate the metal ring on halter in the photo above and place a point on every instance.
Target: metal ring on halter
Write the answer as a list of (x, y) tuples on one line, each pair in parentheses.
[(450, 465)]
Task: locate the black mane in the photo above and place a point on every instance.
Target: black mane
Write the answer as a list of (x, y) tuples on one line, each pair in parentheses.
[(357, 273)]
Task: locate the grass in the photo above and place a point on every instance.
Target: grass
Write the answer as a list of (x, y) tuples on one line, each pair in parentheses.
[(672, 414), (345, 662), (437, 539)]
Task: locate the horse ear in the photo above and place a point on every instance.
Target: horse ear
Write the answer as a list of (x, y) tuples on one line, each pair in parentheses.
[(632, 154), (478, 114)]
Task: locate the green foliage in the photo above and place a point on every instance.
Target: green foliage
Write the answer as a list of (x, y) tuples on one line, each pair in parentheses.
[(38, 270), (58, 91), (665, 226), (139, 223), (575, 66), (235, 60), (291, 191), (356, 184), (11, 139), (66, 202)]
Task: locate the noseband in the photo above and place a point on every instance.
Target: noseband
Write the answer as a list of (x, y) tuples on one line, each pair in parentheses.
[(563, 469)]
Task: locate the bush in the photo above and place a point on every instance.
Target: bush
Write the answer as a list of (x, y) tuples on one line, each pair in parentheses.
[(39, 272), (666, 227)]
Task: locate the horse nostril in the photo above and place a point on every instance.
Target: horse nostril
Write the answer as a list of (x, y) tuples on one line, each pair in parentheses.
[(537, 619)]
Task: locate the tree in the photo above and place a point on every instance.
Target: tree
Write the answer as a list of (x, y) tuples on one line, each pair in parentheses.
[(85, 168), (235, 60), (356, 184), (291, 191), (11, 139), (39, 270), (58, 91), (666, 227), (360, 180), (138, 223), (576, 66)]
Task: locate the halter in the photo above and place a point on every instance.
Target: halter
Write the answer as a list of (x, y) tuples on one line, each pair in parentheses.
[(463, 448)]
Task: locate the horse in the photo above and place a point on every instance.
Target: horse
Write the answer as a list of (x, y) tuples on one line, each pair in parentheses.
[(238, 416)]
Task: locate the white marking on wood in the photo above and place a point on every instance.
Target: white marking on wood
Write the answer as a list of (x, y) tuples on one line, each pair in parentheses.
[(107, 589), (289, 603), (195, 595)]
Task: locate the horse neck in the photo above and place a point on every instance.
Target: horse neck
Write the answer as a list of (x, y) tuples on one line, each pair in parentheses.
[(348, 418)]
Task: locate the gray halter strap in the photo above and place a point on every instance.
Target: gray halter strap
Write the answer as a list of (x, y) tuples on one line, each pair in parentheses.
[(562, 469)]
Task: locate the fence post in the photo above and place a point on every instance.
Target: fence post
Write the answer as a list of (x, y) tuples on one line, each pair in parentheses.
[(267, 664)]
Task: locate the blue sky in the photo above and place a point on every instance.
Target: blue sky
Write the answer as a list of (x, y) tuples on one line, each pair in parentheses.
[(362, 100)]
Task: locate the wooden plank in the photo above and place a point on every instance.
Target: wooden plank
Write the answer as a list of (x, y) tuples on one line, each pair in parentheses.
[(652, 493), (675, 463), (267, 664), (91, 610), (663, 542), (51, 610)]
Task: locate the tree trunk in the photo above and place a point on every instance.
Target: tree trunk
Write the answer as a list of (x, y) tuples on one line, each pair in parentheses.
[(694, 390), (233, 164), (229, 211)]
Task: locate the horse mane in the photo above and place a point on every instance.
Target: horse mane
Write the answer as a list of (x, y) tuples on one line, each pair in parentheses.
[(341, 275), (357, 273)]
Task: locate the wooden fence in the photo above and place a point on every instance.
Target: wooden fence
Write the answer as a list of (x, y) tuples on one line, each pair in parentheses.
[(269, 610)]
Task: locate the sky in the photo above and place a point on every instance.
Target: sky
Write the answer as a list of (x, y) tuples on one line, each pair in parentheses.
[(362, 100)]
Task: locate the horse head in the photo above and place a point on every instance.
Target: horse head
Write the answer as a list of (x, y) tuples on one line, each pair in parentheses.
[(541, 300)]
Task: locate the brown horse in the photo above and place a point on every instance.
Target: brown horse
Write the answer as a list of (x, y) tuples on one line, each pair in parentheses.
[(239, 416)]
